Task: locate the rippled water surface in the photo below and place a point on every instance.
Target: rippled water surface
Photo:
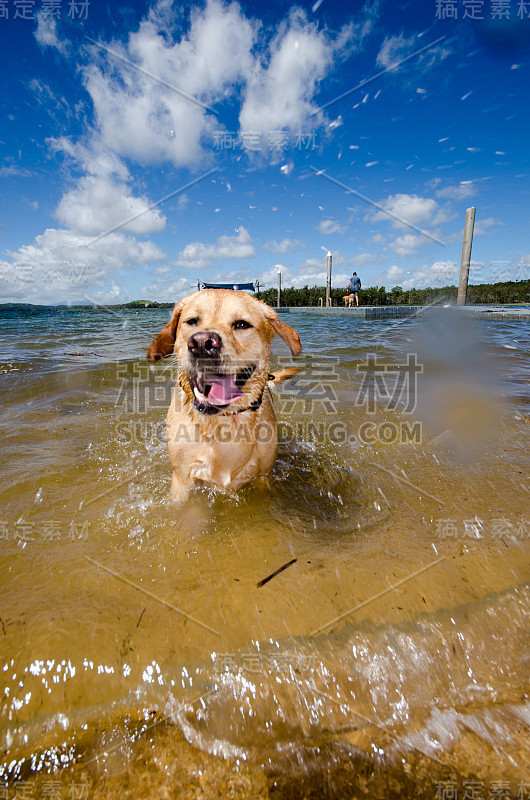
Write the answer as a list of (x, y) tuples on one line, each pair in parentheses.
[(141, 658)]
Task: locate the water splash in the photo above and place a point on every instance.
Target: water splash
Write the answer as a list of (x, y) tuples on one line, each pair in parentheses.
[(386, 690)]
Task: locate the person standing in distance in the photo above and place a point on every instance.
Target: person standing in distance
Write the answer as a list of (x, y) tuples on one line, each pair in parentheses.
[(354, 286)]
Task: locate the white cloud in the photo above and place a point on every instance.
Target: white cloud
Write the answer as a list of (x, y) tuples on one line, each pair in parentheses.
[(280, 89), (318, 279), (43, 92), (312, 272), (313, 265), (46, 33), (393, 50), (56, 245), (394, 273), (444, 273), (183, 201), (138, 86), (483, 225), (61, 265), (198, 255), (98, 204), (146, 117), (406, 210), (407, 245), (459, 192), (433, 184), (168, 290), (92, 158), (362, 259), (102, 198), (316, 265), (279, 93), (397, 48), (285, 246), (441, 273), (11, 170), (444, 214), (269, 278), (308, 274), (327, 226)]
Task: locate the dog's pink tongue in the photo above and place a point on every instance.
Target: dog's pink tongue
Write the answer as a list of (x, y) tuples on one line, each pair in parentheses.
[(224, 390)]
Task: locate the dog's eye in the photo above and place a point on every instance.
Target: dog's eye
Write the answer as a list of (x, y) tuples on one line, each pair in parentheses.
[(241, 324), (192, 321)]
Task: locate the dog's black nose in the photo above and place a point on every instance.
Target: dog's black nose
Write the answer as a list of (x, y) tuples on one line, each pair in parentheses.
[(205, 344)]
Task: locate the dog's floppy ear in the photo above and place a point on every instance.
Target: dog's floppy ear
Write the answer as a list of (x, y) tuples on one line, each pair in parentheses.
[(287, 333), (163, 344)]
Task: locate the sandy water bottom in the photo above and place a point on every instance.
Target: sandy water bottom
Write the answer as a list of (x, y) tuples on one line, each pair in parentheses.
[(139, 655)]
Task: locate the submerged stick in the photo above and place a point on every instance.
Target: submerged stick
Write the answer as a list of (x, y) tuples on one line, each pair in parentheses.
[(273, 574)]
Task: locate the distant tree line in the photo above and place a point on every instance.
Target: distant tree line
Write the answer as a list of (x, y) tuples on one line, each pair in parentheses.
[(507, 292), (145, 304)]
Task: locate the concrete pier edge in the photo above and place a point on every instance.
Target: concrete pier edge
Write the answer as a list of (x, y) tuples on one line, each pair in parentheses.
[(400, 312)]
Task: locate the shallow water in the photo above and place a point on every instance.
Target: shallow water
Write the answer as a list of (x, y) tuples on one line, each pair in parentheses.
[(139, 655)]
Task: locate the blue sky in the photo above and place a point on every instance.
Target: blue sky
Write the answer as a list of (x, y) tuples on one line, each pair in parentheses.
[(149, 145)]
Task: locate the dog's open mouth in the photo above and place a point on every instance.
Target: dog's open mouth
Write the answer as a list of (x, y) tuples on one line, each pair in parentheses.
[(214, 391)]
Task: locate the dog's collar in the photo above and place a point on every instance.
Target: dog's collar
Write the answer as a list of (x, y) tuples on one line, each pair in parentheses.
[(252, 407)]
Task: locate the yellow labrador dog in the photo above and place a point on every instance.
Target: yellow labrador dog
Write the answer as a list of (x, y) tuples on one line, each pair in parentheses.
[(221, 426)]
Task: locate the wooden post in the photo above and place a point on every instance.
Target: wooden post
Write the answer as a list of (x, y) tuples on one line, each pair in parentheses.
[(279, 289), (198, 285), (257, 287), (328, 281), (466, 256)]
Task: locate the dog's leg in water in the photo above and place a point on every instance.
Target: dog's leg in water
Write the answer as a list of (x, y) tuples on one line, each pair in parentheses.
[(179, 490), (192, 518), (190, 515)]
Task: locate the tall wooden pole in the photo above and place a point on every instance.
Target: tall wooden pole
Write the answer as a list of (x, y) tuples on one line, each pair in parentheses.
[(279, 289), (328, 281), (466, 256)]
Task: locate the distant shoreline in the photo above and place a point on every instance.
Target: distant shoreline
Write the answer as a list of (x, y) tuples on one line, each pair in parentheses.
[(503, 293)]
